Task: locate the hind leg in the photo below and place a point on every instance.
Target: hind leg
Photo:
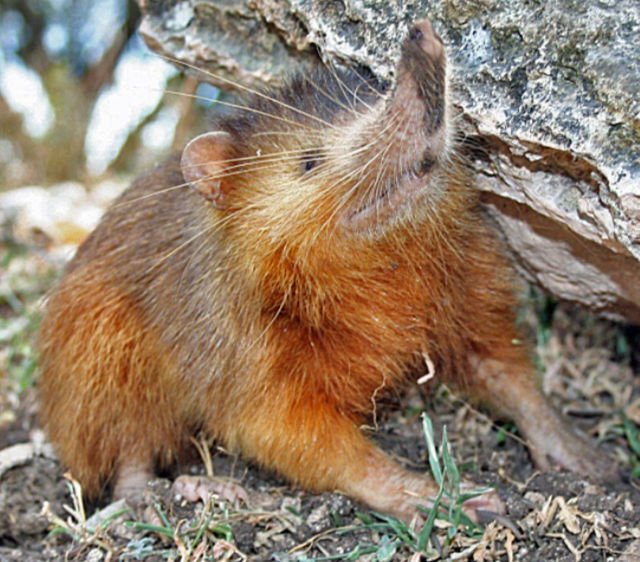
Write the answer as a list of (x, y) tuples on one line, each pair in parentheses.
[(105, 389), (511, 390), (501, 375)]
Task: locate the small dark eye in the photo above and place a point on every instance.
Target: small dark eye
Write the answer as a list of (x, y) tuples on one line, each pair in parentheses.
[(310, 160)]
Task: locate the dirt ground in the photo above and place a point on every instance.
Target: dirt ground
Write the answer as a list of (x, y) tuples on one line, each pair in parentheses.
[(591, 372)]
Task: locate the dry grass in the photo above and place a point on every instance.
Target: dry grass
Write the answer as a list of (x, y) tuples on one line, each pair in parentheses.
[(588, 367)]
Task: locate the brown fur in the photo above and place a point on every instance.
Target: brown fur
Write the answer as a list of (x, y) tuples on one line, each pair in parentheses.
[(266, 322)]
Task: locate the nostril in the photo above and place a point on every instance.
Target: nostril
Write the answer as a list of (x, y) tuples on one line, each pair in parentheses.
[(426, 165), (423, 35), (415, 34)]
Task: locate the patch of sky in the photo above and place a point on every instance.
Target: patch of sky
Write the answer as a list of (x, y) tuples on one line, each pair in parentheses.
[(22, 89), (55, 38), (95, 33), (12, 32), (206, 94), (136, 91), (157, 134)]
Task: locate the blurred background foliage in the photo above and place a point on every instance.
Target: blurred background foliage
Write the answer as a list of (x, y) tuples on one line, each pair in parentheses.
[(81, 96)]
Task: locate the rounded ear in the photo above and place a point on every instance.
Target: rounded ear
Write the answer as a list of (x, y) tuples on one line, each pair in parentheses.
[(204, 165)]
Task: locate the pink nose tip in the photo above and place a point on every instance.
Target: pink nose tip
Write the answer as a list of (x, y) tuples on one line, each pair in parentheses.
[(422, 32)]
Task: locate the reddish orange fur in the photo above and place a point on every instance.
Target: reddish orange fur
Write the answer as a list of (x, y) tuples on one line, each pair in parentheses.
[(112, 390), (274, 318), (114, 402)]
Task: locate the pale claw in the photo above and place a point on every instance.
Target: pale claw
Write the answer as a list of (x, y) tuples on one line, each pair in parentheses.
[(490, 501), (199, 488)]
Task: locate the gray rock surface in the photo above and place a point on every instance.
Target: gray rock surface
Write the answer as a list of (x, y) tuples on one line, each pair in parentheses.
[(548, 91)]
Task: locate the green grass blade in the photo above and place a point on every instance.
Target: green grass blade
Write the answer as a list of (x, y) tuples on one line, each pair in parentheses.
[(434, 464)]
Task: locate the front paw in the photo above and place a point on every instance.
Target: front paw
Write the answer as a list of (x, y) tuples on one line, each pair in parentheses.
[(479, 508)]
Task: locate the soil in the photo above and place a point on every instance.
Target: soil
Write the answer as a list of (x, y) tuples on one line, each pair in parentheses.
[(591, 371)]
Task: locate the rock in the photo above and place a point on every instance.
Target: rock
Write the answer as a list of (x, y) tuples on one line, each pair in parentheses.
[(548, 100)]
